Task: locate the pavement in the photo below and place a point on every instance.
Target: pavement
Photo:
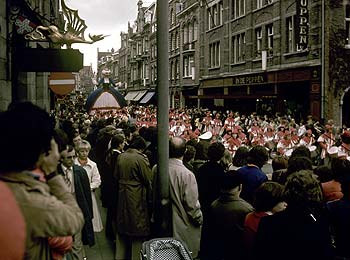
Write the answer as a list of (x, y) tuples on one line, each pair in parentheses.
[(103, 248)]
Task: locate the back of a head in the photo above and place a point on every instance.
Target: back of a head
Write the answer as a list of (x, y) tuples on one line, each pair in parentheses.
[(240, 157), (216, 151), (138, 143), (324, 173), (340, 168), (25, 133), (298, 163), (301, 151), (230, 180), (279, 163), (267, 196), (258, 156), (202, 150), (177, 147), (302, 189)]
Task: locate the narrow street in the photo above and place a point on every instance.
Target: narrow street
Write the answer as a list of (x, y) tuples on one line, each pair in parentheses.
[(103, 249)]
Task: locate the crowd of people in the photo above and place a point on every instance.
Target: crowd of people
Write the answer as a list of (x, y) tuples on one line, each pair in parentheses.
[(222, 203)]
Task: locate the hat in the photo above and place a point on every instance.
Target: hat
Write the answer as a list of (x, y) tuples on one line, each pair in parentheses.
[(346, 134), (206, 136)]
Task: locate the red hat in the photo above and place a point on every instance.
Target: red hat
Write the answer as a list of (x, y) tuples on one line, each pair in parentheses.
[(346, 134)]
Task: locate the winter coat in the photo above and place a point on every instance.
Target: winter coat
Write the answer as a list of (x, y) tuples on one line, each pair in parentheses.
[(186, 213), (134, 175), (48, 209)]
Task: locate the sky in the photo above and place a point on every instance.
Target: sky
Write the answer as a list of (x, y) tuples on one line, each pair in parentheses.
[(108, 17)]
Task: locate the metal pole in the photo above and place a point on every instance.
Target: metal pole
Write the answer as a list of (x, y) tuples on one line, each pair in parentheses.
[(163, 112), (323, 60)]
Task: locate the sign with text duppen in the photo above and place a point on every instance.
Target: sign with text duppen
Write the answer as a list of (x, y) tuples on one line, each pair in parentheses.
[(249, 79), (302, 24)]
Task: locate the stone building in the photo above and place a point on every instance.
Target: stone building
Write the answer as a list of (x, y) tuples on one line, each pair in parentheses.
[(268, 56)]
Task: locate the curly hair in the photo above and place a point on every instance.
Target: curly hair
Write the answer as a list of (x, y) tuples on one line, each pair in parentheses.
[(302, 189)]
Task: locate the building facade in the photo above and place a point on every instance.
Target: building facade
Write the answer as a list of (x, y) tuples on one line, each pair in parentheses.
[(15, 84), (263, 56)]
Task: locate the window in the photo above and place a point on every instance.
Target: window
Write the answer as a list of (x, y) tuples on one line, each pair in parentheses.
[(214, 54), (262, 3), (188, 63), (171, 47), (185, 34), (238, 44), (171, 70), (190, 32), (238, 8), (177, 68), (290, 34), (258, 41), (215, 15), (195, 30), (269, 37), (177, 40), (172, 16), (347, 24), (259, 3)]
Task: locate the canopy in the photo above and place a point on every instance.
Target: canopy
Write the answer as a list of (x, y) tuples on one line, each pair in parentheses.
[(105, 98)]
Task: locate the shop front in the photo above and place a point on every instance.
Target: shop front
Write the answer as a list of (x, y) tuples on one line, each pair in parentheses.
[(295, 92)]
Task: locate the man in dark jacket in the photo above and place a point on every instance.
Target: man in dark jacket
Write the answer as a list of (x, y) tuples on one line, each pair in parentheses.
[(133, 175), (78, 183), (208, 179)]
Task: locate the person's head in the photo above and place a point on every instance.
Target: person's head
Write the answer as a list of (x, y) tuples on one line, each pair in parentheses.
[(118, 142), (258, 156), (324, 173), (201, 150), (301, 151), (76, 140), (226, 160), (177, 147), (345, 137), (138, 143), (302, 189), (26, 133), (241, 156), (68, 156), (216, 151), (230, 182), (268, 197), (189, 153), (83, 148), (339, 168), (279, 163), (298, 163)]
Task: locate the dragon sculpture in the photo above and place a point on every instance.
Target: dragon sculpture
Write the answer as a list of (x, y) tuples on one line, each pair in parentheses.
[(73, 33)]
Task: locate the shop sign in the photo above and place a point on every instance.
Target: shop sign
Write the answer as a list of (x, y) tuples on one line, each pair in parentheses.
[(250, 79), (302, 24)]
